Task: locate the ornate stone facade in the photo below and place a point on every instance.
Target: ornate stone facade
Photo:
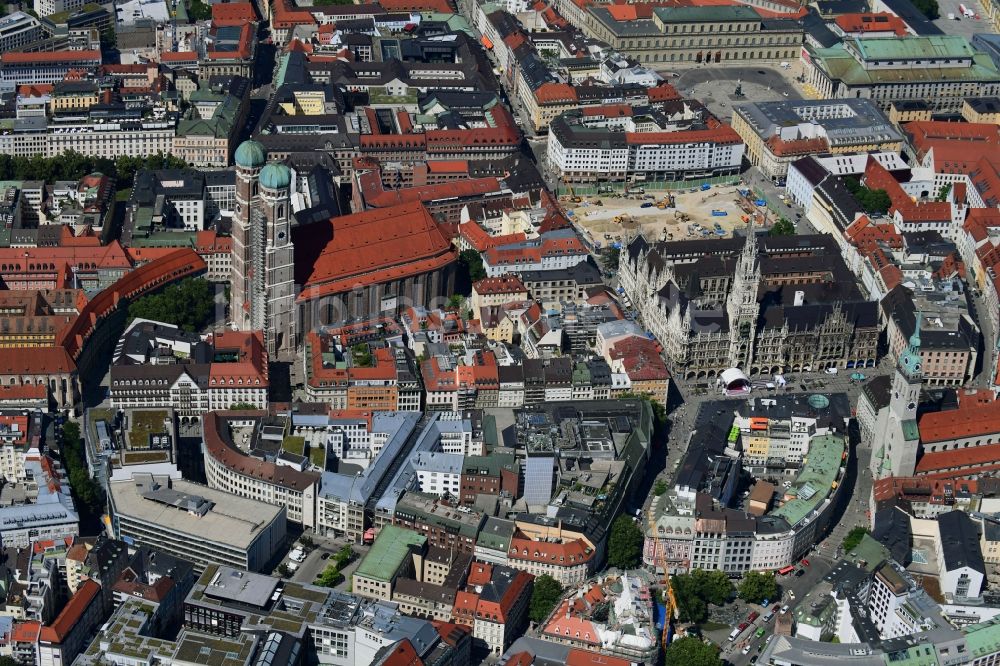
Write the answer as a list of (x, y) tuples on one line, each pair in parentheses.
[(765, 306)]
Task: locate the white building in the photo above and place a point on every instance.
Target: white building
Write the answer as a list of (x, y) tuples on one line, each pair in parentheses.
[(439, 473), (962, 570), (588, 149), (808, 172)]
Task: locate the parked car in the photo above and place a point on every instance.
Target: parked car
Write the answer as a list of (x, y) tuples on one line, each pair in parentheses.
[(805, 562), (784, 609), (752, 616), (799, 574)]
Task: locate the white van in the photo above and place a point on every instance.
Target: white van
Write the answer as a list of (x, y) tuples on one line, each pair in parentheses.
[(297, 555), (734, 633)]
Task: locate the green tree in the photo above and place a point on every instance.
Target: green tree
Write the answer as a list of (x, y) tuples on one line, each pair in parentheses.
[(343, 556), (782, 227), (694, 591), (362, 355), (625, 544), (613, 257), (237, 406), (690, 606), (187, 304), (330, 576), (853, 538), (199, 11), (873, 201), (472, 262), (757, 586), (713, 586), (88, 493), (544, 596), (659, 488), (942, 194), (283, 570), (691, 651), (928, 8), (455, 302)]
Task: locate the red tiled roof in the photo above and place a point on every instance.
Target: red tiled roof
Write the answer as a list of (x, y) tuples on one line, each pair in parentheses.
[(572, 627), (555, 93), (23, 392), (481, 241), (26, 632), (872, 22), (233, 13), (179, 56), (217, 446), (505, 284), (442, 6), (724, 134), (71, 613), (20, 57), (663, 92), (401, 653), (878, 177), (578, 657), (35, 89), (376, 196), (968, 461), (368, 248), (569, 553), (973, 421)]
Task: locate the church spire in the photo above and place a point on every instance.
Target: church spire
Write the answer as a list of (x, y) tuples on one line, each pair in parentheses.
[(909, 360)]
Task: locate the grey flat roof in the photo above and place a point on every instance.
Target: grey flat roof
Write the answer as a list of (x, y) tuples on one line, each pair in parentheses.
[(233, 520), (244, 587)]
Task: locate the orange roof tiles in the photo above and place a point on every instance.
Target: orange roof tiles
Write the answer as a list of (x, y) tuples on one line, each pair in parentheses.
[(872, 22), (481, 241), (878, 177), (566, 625), (569, 553), (23, 392), (26, 632), (556, 93), (217, 445), (578, 657), (723, 134), (20, 57), (71, 613), (973, 421), (376, 196), (368, 248), (179, 56), (664, 92), (233, 13), (968, 461), (505, 284), (442, 6)]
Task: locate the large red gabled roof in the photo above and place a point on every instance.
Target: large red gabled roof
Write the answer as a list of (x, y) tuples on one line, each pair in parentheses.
[(368, 248)]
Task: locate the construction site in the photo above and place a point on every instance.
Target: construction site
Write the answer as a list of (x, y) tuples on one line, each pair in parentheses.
[(700, 212)]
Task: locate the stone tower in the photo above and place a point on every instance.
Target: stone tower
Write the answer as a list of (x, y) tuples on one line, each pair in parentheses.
[(263, 288), (278, 261), (250, 159), (898, 431), (742, 307)]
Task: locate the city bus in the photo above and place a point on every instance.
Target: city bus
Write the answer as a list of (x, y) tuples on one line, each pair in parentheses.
[(786, 570)]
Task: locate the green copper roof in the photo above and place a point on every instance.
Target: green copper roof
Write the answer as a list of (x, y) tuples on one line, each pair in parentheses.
[(275, 177), (250, 155)]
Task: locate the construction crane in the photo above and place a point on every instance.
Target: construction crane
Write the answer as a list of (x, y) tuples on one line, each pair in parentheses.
[(671, 612)]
